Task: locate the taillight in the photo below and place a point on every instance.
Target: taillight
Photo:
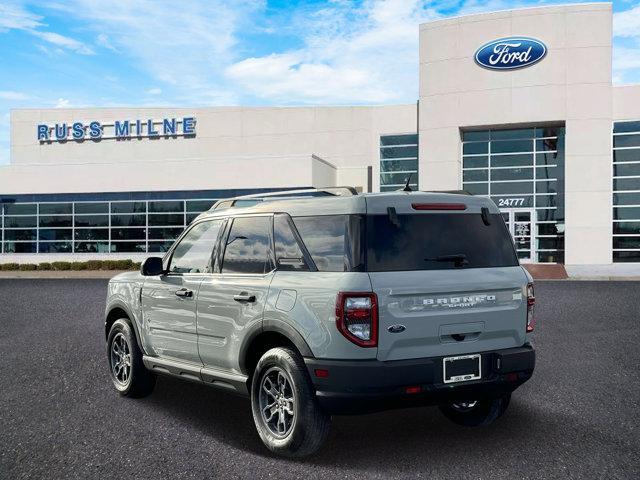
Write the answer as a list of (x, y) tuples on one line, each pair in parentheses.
[(531, 301), (357, 318)]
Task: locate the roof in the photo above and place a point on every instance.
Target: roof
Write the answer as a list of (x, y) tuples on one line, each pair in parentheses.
[(372, 203)]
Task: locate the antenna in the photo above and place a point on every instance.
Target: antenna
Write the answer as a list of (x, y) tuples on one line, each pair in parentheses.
[(407, 188)]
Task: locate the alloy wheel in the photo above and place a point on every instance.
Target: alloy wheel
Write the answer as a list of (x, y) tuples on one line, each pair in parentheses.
[(120, 359), (277, 402)]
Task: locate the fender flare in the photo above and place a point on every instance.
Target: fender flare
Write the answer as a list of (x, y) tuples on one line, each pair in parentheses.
[(132, 318), (276, 326)]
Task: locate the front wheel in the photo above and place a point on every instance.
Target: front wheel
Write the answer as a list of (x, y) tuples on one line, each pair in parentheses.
[(285, 411), (128, 373), (476, 413)]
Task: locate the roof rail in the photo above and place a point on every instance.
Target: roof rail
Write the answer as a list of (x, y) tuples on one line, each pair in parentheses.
[(330, 191)]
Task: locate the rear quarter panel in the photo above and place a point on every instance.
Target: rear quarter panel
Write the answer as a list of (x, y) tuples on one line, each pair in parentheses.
[(306, 301)]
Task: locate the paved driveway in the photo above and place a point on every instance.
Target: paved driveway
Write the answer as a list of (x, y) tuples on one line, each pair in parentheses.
[(60, 417)]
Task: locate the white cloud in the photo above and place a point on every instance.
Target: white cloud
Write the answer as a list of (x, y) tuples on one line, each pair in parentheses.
[(64, 42), (154, 91), (11, 95), (627, 23), (626, 58), (14, 17), (186, 45), (286, 77), (351, 54), (626, 64), (626, 54), (103, 41), (62, 103)]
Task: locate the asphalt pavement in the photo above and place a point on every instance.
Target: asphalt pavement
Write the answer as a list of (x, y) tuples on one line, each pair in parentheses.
[(60, 417)]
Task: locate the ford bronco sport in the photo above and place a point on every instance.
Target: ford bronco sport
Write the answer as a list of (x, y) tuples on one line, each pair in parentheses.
[(323, 303)]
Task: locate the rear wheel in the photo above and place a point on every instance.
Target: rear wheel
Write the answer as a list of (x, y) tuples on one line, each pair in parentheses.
[(128, 373), (476, 413), (285, 411)]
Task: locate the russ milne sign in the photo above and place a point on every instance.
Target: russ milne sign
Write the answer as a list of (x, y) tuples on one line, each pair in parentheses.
[(510, 53), (120, 129)]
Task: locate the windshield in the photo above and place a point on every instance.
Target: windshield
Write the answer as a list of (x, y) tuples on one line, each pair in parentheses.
[(438, 241)]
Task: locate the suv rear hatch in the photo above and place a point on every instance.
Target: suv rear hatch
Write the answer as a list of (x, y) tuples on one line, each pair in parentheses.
[(446, 276)]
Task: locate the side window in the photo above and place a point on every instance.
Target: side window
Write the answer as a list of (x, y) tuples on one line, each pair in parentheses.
[(193, 253), (248, 246), (289, 256), (325, 238)]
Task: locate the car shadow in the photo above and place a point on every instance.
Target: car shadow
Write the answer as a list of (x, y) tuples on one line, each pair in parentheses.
[(224, 416), (409, 440)]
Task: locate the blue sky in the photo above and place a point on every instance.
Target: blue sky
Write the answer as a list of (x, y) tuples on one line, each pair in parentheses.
[(73, 53)]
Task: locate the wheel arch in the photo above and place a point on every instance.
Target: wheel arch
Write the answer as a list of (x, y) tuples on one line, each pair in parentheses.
[(117, 311), (272, 333)]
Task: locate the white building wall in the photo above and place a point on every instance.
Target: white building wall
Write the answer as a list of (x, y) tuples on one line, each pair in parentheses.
[(626, 102), (342, 135), (572, 84), (346, 137), (173, 174)]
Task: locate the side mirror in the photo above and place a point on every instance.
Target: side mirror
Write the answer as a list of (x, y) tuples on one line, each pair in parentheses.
[(152, 266)]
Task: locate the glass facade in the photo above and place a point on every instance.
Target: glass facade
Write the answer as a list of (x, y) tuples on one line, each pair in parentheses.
[(96, 226), (626, 192), (398, 161), (522, 171)]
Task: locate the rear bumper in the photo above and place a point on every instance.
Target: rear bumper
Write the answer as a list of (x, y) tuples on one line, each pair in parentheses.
[(365, 386)]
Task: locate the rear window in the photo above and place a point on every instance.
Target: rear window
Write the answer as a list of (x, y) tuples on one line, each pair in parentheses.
[(438, 241)]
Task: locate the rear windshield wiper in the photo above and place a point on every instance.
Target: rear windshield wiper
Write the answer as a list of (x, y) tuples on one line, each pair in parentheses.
[(458, 259)]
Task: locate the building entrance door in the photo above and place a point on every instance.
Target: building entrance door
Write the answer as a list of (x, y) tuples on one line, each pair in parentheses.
[(521, 222)]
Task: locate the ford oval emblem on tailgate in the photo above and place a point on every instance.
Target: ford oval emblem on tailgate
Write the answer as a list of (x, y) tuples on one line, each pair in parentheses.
[(510, 53), (396, 328)]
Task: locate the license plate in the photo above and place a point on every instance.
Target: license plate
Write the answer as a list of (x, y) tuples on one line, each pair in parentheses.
[(462, 368)]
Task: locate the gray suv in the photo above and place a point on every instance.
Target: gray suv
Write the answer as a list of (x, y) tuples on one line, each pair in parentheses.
[(331, 302)]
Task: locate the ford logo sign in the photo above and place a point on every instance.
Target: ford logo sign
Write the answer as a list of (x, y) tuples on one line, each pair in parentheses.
[(510, 53), (396, 328)]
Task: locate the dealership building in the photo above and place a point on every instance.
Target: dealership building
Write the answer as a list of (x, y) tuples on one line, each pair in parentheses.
[(517, 105)]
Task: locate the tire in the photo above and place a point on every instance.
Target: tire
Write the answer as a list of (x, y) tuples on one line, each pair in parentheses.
[(482, 413), (281, 376), (128, 373)]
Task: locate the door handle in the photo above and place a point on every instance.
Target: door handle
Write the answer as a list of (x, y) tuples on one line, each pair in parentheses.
[(244, 297), (184, 293)]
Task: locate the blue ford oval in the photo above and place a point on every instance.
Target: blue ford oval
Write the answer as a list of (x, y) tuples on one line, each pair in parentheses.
[(510, 53)]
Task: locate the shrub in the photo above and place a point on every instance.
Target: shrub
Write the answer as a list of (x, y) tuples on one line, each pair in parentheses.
[(25, 267), (94, 264), (61, 265), (124, 264), (76, 266), (10, 266)]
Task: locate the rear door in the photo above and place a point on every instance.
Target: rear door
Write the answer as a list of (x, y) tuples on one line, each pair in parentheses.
[(232, 299), (453, 282)]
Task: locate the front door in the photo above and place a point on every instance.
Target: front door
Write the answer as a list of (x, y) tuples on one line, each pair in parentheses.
[(521, 223), (169, 300)]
